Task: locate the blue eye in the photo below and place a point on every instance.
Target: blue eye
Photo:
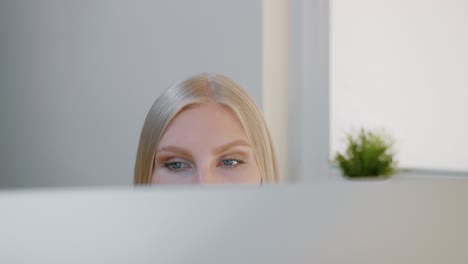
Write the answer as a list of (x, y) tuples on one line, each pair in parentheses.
[(177, 165), (231, 163)]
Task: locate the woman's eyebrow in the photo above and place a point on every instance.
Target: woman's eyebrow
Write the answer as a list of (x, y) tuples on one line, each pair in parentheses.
[(235, 143), (175, 149)]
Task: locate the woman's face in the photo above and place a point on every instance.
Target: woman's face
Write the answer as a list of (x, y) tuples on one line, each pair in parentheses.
[(205, 144)]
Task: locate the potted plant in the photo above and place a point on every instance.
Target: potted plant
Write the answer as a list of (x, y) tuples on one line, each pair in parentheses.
[(368, 154)]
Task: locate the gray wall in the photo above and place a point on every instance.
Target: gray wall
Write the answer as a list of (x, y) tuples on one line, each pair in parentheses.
[(310, 90), (78, 77)]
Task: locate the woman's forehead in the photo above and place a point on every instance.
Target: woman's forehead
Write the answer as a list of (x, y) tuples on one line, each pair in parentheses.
[(209, 125)]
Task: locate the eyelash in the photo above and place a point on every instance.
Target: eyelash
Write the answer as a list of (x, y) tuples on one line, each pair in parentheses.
[(169, 165)]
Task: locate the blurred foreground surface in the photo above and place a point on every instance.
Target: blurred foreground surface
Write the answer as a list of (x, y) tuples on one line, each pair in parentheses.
[(336, 222)]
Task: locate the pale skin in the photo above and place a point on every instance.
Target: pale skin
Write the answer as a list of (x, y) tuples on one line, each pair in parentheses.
[(205, 144)]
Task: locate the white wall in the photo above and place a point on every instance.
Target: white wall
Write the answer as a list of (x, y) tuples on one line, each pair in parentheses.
[(276, 76), (402, 65), (78, 77)]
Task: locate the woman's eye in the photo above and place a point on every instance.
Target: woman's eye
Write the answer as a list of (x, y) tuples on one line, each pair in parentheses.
[(177, 165), (231, 162)]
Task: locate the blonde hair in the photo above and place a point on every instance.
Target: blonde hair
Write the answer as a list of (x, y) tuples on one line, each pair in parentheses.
[(201, 89)]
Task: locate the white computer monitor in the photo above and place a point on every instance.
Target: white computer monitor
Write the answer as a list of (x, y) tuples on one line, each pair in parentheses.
[(350, 222)]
